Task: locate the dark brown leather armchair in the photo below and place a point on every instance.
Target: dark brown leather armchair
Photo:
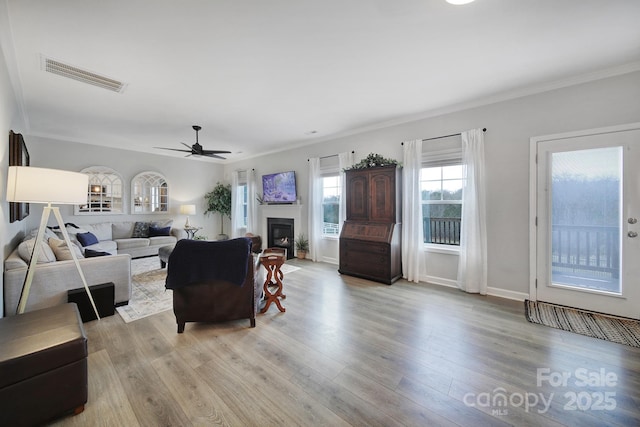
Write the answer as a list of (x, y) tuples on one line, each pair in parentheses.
[(214, 281)]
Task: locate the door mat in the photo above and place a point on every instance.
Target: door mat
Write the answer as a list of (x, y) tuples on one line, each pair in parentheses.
[(605, 327)]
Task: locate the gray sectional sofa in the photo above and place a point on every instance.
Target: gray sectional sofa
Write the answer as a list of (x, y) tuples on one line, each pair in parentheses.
[(56, 272), (125, 238)]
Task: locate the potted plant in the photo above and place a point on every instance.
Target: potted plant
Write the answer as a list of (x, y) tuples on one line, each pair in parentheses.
[(302, 246), (219, 201)]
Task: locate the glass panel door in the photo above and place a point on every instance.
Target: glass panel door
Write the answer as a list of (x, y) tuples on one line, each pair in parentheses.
[(587, 205)]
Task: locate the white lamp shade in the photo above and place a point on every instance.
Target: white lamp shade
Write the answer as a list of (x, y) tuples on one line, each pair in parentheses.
[(187, 209), (39, 185)]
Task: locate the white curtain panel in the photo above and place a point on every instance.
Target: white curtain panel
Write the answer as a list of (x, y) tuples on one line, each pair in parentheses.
[(315, 209), (237, 229), (412, 234), (472, 265), (252, 203), (345, 160)]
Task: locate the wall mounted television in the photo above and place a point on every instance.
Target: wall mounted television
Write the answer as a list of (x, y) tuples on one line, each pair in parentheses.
[(279, 187)]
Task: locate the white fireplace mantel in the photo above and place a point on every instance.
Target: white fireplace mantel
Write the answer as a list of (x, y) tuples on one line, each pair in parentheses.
[(280, 211)]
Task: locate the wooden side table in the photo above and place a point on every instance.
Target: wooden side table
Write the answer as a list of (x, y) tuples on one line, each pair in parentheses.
[(272, 262)]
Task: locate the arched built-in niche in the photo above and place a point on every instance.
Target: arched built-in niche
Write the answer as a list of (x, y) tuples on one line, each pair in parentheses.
[(104, 194), (149, 193)]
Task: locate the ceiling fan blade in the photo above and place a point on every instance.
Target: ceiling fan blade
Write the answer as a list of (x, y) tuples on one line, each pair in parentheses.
[(215, 156), (174, 149), (188, 146), (207, 152)]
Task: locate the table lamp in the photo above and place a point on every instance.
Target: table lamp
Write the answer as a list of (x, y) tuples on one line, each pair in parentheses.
[(47, 186), (187, 210)]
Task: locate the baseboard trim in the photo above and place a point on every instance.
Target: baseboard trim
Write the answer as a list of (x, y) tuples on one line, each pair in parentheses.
[(439, 281), (496, 292), (504, 293)]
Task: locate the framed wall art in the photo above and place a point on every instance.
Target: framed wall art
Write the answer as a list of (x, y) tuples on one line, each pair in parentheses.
[(18, 156)]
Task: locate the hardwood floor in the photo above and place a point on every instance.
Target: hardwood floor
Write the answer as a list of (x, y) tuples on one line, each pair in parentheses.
[(353, 352)]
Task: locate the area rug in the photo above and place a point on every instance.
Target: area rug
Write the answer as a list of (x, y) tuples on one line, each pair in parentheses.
[(148, 294), (596, 325)]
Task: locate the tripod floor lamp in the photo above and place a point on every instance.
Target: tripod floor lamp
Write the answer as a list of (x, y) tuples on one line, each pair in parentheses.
[(47, 186)]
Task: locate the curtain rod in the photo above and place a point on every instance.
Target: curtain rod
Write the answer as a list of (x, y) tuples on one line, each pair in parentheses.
[(332, 155), (445, 136)]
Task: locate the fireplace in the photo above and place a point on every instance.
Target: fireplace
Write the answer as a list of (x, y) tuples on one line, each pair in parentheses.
[(280, 234)]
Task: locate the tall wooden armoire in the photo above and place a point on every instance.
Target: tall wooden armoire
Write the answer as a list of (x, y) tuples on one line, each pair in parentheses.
[(370, 239)]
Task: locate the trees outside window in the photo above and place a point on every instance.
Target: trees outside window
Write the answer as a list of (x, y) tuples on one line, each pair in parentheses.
[(331, 205)]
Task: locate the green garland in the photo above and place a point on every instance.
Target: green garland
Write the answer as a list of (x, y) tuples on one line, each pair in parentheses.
[(372, 161)]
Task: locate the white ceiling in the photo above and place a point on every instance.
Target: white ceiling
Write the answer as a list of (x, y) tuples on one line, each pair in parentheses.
[(260, 75)]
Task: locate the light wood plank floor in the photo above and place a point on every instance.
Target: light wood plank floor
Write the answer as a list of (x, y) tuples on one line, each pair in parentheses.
[(353, 352)]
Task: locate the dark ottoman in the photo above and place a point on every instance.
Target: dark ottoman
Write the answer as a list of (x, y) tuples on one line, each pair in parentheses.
[(43, 365)]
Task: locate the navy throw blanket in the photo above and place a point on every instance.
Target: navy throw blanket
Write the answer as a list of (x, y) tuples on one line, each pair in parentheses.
[(197, 261)]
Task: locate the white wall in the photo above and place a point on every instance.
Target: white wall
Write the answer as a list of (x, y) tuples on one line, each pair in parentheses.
[(188, 180), (510, 125), (9, 119)]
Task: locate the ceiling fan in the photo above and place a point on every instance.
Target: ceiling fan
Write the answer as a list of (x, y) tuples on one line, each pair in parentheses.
[(197, 150)]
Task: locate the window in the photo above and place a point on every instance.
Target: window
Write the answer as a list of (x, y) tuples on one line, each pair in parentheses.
[(331, 205), (242, 199), (441, 190)]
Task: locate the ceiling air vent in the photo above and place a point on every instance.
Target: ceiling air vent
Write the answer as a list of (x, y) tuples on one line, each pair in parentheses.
[(75, 73)]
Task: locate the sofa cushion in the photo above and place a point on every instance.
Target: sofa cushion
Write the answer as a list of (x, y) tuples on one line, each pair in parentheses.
[(87, 239), (61, 250), (159, 231), (25, 249), (140, 229), (134, 242), (122, 230), (162, 240), (101, 230)]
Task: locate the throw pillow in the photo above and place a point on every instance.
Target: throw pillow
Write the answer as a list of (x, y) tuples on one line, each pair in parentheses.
[(87, 239), (90, 253), (141, 229), (61, 250), (163, 223), (25, 249), (159, 231)]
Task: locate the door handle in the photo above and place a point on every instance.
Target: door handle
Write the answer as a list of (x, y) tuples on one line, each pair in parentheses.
[(632, 234)]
